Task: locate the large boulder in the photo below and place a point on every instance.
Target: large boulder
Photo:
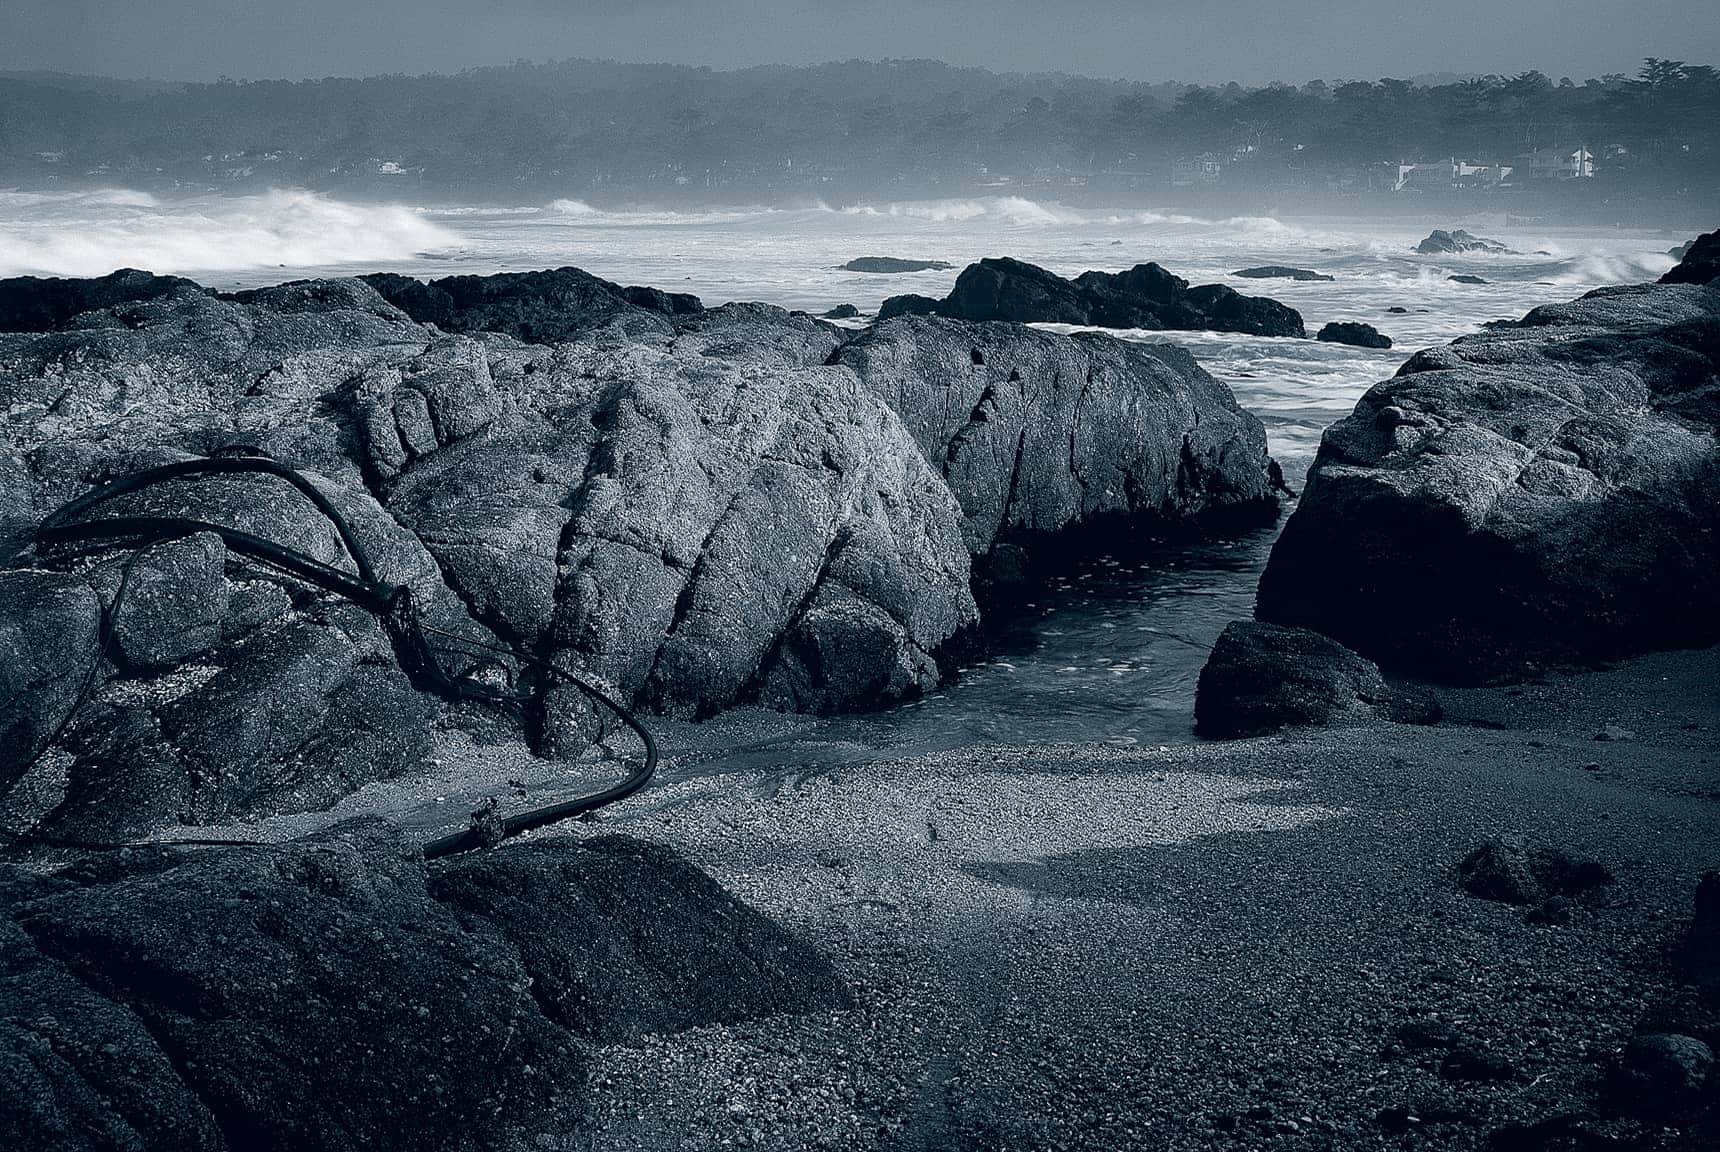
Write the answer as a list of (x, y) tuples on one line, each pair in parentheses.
[(1698, 263), (1545, 491), (1145, 296), (1037, 433), (1261, 678), (176, 597), (335, 993)]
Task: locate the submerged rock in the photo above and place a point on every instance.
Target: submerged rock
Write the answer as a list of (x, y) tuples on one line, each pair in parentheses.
[(890, 264), (1440, 241), (1145, 296), (1261, 678), (1280, 272), (1353, 332), (1466, 278), (843, 312), (1546, 491), (333, 992)]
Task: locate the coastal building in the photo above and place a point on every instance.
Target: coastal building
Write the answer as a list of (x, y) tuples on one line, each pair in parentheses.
[(1201, 169), (1451, 173), (1557, 164)]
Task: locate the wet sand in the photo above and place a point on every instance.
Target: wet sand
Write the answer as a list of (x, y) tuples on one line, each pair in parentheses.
[(1199, 946)]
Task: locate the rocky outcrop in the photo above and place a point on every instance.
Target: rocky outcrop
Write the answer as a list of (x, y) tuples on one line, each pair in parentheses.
[(1279, 272), (1355, 333), (1261, 678), (539, 307), (1145, 296), (703, 509), (1544, 491), (888, 265), (1037, 434), (843, 312), (1699, 263), (1466, 278), (48, 635), (42, 304), (1440, 242), (334, 993)]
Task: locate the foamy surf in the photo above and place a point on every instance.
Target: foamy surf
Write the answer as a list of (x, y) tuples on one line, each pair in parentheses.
[(91, 234)]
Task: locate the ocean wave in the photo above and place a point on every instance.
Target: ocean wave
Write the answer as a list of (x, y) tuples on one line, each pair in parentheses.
[(91, 234), (1604, 268), (1015, 210)]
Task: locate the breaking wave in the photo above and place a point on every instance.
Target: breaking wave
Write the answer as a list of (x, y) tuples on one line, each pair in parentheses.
[(93, 233)]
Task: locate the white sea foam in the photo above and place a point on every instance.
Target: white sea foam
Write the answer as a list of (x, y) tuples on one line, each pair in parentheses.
[(91, 234)]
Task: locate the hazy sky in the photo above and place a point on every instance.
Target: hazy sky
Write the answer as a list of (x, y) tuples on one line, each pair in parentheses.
[(1247, 40)]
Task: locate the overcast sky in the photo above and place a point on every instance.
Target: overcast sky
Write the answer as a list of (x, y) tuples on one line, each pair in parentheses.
[(1207, 40)]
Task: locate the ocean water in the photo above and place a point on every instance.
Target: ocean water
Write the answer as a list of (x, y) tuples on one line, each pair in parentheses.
[(1110, 654)]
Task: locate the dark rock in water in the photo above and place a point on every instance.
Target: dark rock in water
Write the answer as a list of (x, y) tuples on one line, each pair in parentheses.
[(1145, 296), (1396, 310), (49, 628), (1699, 952), (1465, 278), (538, 307), (1440, 241), (1543, 492), (1280, 272), (842, 312), (1662, 1073), (1261, 678), (907, 304), (1353, 332), (333, 993), (1037, 433), (42, 304), (890, 264), (1512, 873), (176, 598), (1699, 263)]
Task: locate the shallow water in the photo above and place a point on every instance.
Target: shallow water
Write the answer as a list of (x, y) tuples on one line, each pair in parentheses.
[(1110, 654)]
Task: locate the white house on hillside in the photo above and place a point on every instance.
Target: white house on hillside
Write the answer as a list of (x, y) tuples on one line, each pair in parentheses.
[(1558, 164)]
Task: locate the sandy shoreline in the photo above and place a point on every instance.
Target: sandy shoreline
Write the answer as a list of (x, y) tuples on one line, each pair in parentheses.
[(1197, 946)]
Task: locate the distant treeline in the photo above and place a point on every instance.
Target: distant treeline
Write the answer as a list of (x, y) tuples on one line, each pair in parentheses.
[(612, 132)]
